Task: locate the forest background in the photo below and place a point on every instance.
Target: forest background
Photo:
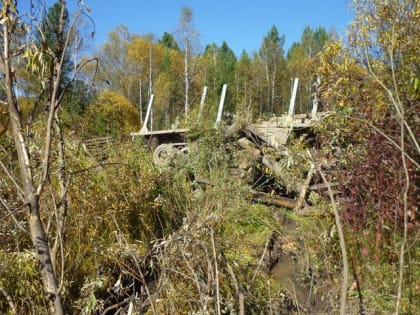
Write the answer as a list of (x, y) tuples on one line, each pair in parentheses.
[(88, 234)]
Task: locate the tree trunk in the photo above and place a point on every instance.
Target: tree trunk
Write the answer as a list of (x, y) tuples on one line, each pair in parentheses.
[(186, 78), (42, 251), (37, 231), (62, 204), (273, 81), (150, 72), (267, 79)]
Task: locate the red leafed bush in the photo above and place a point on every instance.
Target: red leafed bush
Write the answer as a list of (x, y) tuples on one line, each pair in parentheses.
[(374, 185)]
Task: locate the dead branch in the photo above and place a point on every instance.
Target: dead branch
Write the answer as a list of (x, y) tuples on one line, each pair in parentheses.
[(405, 214), (113, 307), (273, 200), (304, 188), (12, 178), (4, 204), (345, 272), (143, 279), (387, 137), (203, 297), (216, 271), (241, 304), (261, 260)]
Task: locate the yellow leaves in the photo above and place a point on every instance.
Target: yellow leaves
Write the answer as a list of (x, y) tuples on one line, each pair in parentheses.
[(342, 103), (333, 48), (345, 82), (8, 9), (149, 57), (143, 51), (415, 83), (115, 112), (139, 50), (36, 61)]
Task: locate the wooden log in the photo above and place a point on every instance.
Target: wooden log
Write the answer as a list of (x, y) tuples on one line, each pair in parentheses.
[(250, 147), (277, 171), (203, 181), (247, 157), (273, 200), (304, 188)]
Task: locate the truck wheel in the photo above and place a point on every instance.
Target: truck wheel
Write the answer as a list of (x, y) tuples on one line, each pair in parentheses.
[(163, 154)]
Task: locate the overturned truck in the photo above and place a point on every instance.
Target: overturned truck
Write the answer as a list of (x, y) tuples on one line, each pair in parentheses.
[(277, 172), (265, 144), (170, 143)]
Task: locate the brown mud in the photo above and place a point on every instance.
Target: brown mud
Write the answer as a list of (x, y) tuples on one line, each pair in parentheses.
[(301, 293)]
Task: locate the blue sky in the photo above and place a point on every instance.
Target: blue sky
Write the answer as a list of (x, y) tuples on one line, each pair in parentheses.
[(242, 24)]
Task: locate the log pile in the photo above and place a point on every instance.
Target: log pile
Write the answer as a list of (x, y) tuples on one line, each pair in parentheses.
[(266, 145)]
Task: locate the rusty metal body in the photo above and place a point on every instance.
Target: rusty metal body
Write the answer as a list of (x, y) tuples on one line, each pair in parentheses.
[(168, 144), (164, 143), (276, 131)]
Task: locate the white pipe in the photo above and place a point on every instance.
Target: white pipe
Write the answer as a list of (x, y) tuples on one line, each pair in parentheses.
[(203, 99), (293, 98), (146, 119), (221, 104)]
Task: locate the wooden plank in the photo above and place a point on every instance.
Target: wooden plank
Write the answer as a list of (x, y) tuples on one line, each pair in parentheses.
[(272, 136)]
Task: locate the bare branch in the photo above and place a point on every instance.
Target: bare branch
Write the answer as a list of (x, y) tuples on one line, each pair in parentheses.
[(387, 137), (405, 214), (12, 178), (216, 271), (143, 279), (396, 103), (116, 306), (305, 186), (79, 68), (261, 260), (5, 205), (345, 272), (55, 98)]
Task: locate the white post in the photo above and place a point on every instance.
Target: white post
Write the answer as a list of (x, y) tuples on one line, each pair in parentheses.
[(140, 104), (203, 99), (146, 119), (293, 98), (221, 104)]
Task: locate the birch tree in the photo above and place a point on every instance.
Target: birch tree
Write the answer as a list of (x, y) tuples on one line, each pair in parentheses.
[(16, 40), (271, 52), (188, 39)]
